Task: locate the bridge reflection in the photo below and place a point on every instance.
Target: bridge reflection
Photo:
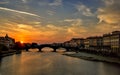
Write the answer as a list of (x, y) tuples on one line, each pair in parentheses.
[(47, 49)]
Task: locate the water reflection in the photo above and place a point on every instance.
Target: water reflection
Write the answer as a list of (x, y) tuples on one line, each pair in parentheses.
[(34, 50), (47, 49), (52, 63), (61, 50)]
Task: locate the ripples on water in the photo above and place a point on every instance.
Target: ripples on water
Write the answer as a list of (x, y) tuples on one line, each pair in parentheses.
[(51, 63)]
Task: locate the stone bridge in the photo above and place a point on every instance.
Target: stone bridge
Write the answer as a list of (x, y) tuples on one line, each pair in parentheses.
[(54, 47)]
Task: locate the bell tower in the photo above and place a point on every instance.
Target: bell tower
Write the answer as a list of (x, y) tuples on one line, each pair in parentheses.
[(6, 36)]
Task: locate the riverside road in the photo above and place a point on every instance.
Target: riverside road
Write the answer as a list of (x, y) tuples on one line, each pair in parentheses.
[(51, 63)]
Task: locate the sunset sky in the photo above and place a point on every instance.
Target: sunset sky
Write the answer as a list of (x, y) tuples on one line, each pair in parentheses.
[(48, 21)]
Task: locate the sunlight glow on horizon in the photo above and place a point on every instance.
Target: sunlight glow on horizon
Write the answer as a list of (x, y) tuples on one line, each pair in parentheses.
[(21, 42), (44, 21)]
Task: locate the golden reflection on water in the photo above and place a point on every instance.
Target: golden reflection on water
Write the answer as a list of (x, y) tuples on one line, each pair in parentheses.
[(47, 49), (52, 63)]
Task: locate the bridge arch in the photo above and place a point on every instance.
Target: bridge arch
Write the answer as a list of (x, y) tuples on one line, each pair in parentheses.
[(46, 49), (53, 47), (44, 46), (64, 48), (40, 47)]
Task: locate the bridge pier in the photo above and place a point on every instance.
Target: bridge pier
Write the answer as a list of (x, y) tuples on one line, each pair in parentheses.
[(54, 50), (40, 50), (67, 49), (27, 49), (77, 49)]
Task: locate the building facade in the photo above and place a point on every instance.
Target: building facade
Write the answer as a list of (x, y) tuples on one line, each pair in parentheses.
[(87, 43), (107, 42), (115, 41), (75, 42), (96, 42), (7, 41)]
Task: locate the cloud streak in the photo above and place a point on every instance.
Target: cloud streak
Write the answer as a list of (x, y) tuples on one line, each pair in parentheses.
[(4, 2), (110, 13), (59, 20), (17, 11), (56, 3), (84, 10)]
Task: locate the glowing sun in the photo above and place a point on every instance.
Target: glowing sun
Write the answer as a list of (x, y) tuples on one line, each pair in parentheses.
[(21, 42)]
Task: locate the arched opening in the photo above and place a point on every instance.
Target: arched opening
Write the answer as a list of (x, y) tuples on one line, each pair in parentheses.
[(47, 49), (33, 49), (61, 49)]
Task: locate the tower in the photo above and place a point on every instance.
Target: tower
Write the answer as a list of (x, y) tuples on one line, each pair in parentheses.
[(6, 36)]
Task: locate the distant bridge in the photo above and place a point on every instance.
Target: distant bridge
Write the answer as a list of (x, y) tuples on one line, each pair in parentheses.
[(54, 47)]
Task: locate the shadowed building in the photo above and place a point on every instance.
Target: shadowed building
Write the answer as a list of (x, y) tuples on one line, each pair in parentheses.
[(87, 43), (75, 42), (66, 43), (7, 41), (94, 42)]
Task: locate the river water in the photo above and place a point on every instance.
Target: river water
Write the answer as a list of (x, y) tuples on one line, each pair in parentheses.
[(51, 63)]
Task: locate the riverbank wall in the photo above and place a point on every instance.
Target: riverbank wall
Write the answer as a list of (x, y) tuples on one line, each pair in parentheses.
[(94, 57), (101, 52), (8, 52)]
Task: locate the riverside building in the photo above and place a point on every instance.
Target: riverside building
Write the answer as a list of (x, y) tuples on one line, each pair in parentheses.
[(115, 41), (77, 42), (7, 41), (87, 43), (107, 42), (96, 42), (93, 43)]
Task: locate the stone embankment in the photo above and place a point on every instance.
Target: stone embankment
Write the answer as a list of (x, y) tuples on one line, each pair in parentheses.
[(9, 52), (94, 57)]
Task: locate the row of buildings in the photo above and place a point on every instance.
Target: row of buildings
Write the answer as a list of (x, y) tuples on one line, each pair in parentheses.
[(7, 41), (108, 42)]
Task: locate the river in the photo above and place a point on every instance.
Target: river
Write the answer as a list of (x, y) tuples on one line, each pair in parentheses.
[(53, 63)]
